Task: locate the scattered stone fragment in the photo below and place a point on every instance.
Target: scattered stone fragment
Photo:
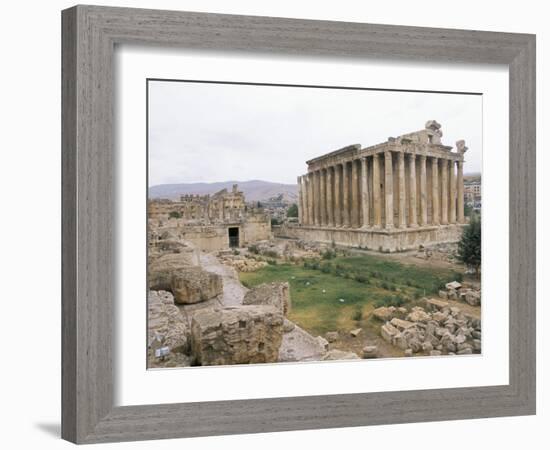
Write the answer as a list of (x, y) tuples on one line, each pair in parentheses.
[(418, 315), (477, 345), (401, 324), (388, 331), (356, 332), (370, 351), (331, 336), (322, 342), (334, 355), (384, 313), (453, 285), (435, 353), (408, 352), (427, 346), (465, 351), (434, 304)]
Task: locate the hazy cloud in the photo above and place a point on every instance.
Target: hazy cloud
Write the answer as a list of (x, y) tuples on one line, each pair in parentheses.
[(214, 132)]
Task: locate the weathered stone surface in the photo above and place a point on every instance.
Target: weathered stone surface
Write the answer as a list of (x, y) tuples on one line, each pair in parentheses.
[(288, 326), (238, 335), (418, 315), (189, 283), (401, 324), (355, 332), (193, 285), (435, 353), (427, 346), (433, 304), (370, 351), (165, 325), (408, 352), (472, 297), (442, 294), (384, 313), (274, 294), (400, 340), (439, 316), (334, 355), (388, 331), (161, 269), (453, 285), (452, 294), (477, 345), (465, 351), (331, 336), (322, 342)]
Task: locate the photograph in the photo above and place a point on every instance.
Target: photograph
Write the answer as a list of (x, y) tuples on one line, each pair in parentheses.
[(295, 223)]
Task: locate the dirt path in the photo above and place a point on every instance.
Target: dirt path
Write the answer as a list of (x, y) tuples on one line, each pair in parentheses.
[(233, 290)]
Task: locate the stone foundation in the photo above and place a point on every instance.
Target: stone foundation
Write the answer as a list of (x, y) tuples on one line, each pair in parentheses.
[(383, 240)]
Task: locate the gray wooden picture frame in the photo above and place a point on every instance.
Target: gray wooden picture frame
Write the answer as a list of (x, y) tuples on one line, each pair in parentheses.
[(90, 34)]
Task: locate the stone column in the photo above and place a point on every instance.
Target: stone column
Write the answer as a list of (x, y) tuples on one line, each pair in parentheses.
[(460, 192), (337, 196), (412, 191), (330, 202), (345, 196), (423, 192), (388, 188), (364, 193), (377, 207), (402, 191), (316, 202), (323, 197), (435, 192), (354, 208), (452, 193), (444, 191), (300, 201), (310, 207)]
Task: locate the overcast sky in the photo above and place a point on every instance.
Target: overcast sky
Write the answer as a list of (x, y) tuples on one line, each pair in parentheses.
[(217, 132)]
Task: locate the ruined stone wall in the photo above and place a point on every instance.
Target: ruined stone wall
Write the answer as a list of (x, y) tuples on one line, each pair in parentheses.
[(379, 240)]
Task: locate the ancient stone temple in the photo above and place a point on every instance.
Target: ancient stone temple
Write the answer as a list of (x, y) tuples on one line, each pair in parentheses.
[(397, 195)]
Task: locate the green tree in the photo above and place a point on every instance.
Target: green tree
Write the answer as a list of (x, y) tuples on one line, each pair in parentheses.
[(469, 247), (292, 211), (174, 215)]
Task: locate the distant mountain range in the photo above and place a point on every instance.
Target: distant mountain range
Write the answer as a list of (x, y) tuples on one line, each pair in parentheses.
[(254, 190)]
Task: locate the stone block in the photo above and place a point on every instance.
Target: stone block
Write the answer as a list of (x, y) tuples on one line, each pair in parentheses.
[(434, 304), (370, 351), (274, 294), (401, 324), (384, 313), (388, 331), (237, 335), (193, 285), (335, 355)]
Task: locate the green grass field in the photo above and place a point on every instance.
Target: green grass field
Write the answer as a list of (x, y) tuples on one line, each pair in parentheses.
[(338, 293)]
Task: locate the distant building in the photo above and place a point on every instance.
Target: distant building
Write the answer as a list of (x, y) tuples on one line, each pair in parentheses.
[(212, 222), (472, 191)]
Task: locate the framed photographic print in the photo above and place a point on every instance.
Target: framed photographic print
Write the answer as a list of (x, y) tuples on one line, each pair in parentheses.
[(255, 208)]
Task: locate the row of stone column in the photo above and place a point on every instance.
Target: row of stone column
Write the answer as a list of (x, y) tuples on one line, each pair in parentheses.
[(349, 194)]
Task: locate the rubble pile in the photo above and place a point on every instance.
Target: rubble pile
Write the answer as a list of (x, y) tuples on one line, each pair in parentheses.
[(465, 292), (438, 329)]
